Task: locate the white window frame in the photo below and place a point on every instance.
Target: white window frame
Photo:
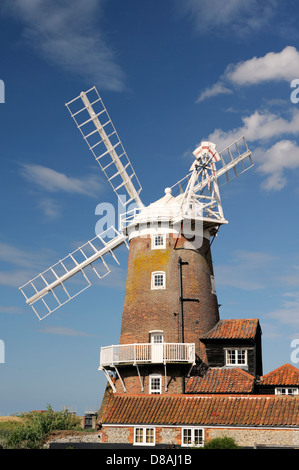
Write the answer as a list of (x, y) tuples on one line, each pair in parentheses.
[(140, 434), (163, 277), (161, 239), (236, 362), (192, 431), (156, 335), (155, 391), (286, 391)]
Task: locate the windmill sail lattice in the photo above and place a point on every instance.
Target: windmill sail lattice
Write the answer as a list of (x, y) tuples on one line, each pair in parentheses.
[(69, 277), (98, 131)]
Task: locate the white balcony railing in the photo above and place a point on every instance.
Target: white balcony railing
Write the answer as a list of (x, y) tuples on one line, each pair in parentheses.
[(142, 353)]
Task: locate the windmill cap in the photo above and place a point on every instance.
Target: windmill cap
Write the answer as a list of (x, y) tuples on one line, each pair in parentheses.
[(167, 190)]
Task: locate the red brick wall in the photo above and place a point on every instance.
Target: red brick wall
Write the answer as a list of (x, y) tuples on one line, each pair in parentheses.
[(133, 383), (146, 309)]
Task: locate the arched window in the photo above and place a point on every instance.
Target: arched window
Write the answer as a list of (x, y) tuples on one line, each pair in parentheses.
[(158, 280)]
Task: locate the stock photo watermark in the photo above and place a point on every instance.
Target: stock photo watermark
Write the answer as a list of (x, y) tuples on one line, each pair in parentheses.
[(2, 91), (2, 352), (186, 221), (295, 353), (295, 93)]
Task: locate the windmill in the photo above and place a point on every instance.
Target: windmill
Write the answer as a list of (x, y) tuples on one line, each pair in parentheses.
[(191, 210)]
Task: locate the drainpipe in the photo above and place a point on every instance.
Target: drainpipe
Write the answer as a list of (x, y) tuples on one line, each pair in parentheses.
[(182, 300)]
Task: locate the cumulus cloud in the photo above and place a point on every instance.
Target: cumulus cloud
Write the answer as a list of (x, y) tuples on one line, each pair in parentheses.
[(258, 126), (283, 155), (261, 128), (273, 66)]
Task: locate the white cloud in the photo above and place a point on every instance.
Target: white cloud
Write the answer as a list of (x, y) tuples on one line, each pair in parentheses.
[(284, 155), (50, 208), (287, 313), (13, 255), (214, 90), (69, 36), (18, 265), (274, 66), (53, 181), (259, 126), (229, 17)]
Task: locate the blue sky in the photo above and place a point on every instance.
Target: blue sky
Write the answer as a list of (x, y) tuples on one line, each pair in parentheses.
[(171, 74)]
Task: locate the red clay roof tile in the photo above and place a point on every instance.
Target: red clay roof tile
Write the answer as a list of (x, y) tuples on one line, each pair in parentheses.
[(283, 375), (229, 329), (211, 410), (221, 380)]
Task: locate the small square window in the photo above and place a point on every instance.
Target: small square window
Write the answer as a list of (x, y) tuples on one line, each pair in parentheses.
[(155, 384), (158, 280), (158, 241)]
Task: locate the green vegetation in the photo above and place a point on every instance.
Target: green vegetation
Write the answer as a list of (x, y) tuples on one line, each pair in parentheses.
[(31, 430), (221, 443)]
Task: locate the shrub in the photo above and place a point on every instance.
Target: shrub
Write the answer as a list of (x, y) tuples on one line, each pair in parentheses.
[(221, 443), (35, 426)]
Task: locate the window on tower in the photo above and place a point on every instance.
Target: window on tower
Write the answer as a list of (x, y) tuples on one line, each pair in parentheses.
[(158, 280), (158, 241), (155, 384)]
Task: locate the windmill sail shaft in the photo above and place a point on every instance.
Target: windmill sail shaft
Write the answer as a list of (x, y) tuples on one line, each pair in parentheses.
[(98, 131)]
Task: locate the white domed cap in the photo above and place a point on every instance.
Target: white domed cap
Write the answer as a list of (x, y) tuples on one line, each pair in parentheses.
[(167, 190)]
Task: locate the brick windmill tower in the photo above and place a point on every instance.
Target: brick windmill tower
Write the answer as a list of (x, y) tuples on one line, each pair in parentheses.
[(170, 297)]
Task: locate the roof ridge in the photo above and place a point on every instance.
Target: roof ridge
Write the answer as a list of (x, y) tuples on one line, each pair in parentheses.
[(284, 366)]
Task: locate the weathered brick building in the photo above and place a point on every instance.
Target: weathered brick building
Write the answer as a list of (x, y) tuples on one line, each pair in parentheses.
[(181, 375)]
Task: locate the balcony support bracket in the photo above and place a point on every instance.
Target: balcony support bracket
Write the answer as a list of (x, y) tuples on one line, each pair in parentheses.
[(109, 379), (141, 384), (165, 373), (119, 376)]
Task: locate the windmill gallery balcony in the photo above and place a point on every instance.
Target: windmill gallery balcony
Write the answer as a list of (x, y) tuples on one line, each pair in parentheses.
[(147, 353)]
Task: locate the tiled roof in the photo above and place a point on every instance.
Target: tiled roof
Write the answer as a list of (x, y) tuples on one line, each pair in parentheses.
[(284, 375), (221, 380), (230, 329), (202, 410)]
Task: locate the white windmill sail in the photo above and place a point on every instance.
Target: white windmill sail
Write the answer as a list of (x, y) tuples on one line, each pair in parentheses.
[(210, 171), (69, 277), (97, 129), (235, 159)]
